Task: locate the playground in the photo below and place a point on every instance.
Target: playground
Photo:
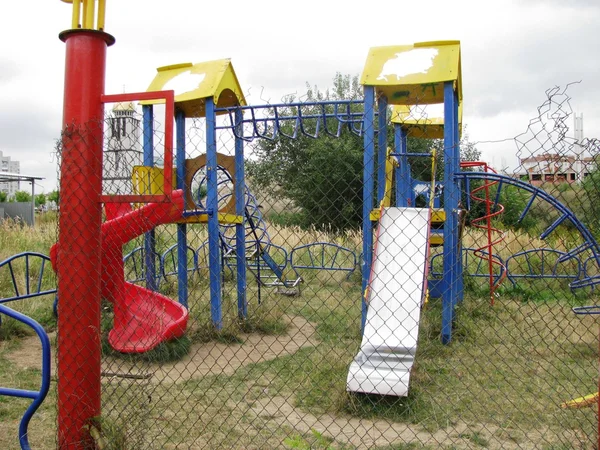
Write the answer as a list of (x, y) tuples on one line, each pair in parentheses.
[(330, 272)]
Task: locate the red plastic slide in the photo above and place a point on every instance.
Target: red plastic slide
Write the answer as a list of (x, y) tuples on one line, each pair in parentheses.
[(142, 318)]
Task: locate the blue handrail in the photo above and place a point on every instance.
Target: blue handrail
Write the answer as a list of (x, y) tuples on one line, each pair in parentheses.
[(37, 396), (30, 290), (547, 269), (343, 259)]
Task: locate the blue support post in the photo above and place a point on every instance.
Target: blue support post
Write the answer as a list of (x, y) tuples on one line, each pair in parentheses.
[(214, 259), (458, 186), (150, 236), (382, 104), (403, 181), (368, 188), (451, 201), (240, 208), (182, 273)]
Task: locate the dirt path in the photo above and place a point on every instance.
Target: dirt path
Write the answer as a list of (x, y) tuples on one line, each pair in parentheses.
[(365, 433), (216, 358), (211, 358)]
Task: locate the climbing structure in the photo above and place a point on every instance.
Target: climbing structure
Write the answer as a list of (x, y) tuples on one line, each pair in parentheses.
[(420, 74)]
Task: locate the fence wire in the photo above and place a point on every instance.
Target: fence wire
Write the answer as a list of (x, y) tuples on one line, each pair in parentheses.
[(283, 359)]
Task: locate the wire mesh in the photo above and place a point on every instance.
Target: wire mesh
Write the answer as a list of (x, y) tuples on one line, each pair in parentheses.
[(273, 352)]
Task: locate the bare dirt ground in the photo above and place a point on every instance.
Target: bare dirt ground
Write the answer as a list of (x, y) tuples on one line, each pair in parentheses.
[(211, 358), (220, 358)]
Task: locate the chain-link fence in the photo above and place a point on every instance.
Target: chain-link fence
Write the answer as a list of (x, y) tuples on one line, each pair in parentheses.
[(267, 322)]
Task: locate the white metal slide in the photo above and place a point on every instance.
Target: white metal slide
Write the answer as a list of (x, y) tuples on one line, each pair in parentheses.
[(395, 295)]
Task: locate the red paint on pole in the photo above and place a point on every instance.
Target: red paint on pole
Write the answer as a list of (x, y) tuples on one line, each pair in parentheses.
[(79, 251)]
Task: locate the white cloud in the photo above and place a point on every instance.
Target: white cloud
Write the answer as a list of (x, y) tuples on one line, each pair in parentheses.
[(512, 51)]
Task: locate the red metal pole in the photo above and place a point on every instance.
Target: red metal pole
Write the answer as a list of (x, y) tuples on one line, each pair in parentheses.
[(79, 253)]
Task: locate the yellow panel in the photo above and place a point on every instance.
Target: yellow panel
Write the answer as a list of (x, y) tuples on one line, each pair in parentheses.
[(418, 126), (375, 215), (193, 83), (438, 216), (147, 180), (203, 218), (414, 74), (435, 240)]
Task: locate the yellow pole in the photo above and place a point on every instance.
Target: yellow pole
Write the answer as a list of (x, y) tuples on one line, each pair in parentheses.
[(88, 15), (101, 14), (75, 23), (84, 10)]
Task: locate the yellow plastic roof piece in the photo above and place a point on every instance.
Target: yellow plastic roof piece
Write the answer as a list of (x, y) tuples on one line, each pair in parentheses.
[(414, 74), (417, 122), (193, 83)]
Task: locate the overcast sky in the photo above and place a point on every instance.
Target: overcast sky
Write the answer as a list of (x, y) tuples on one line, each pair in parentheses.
[(512, 51)]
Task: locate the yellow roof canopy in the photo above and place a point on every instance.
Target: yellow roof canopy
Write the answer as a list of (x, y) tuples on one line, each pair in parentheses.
[(414, 74), (193, 83), (423, 121)]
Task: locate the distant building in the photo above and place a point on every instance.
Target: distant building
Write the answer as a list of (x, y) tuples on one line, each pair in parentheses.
[(123, 149), (560, 168), (555, 168), (10, 166)]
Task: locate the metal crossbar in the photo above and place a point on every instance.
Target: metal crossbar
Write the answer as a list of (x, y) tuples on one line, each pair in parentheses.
[(278, 118)]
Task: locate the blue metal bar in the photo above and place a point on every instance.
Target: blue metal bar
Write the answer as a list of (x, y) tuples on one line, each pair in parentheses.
[(398, 177), (497, 199), (425, 155), (368, 187), (39, 396), (527, 207), (289, 105), (451, 198), (240, 229), (576, 251), (553, 227), (382, 105), (169, 253), (456, 163), (21, 393), (23, 297), (294, 112), (317, 126), (212, 200), (150, 236), (340, 125), (29, 294), (41, 276), (12, 276), (593, 309), (27, 281), (182, 273), (403, 177)]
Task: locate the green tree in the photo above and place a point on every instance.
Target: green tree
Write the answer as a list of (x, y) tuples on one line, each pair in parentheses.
[(22, 196), (40, 199), (322, 179), (53, 196), (3, 197)]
